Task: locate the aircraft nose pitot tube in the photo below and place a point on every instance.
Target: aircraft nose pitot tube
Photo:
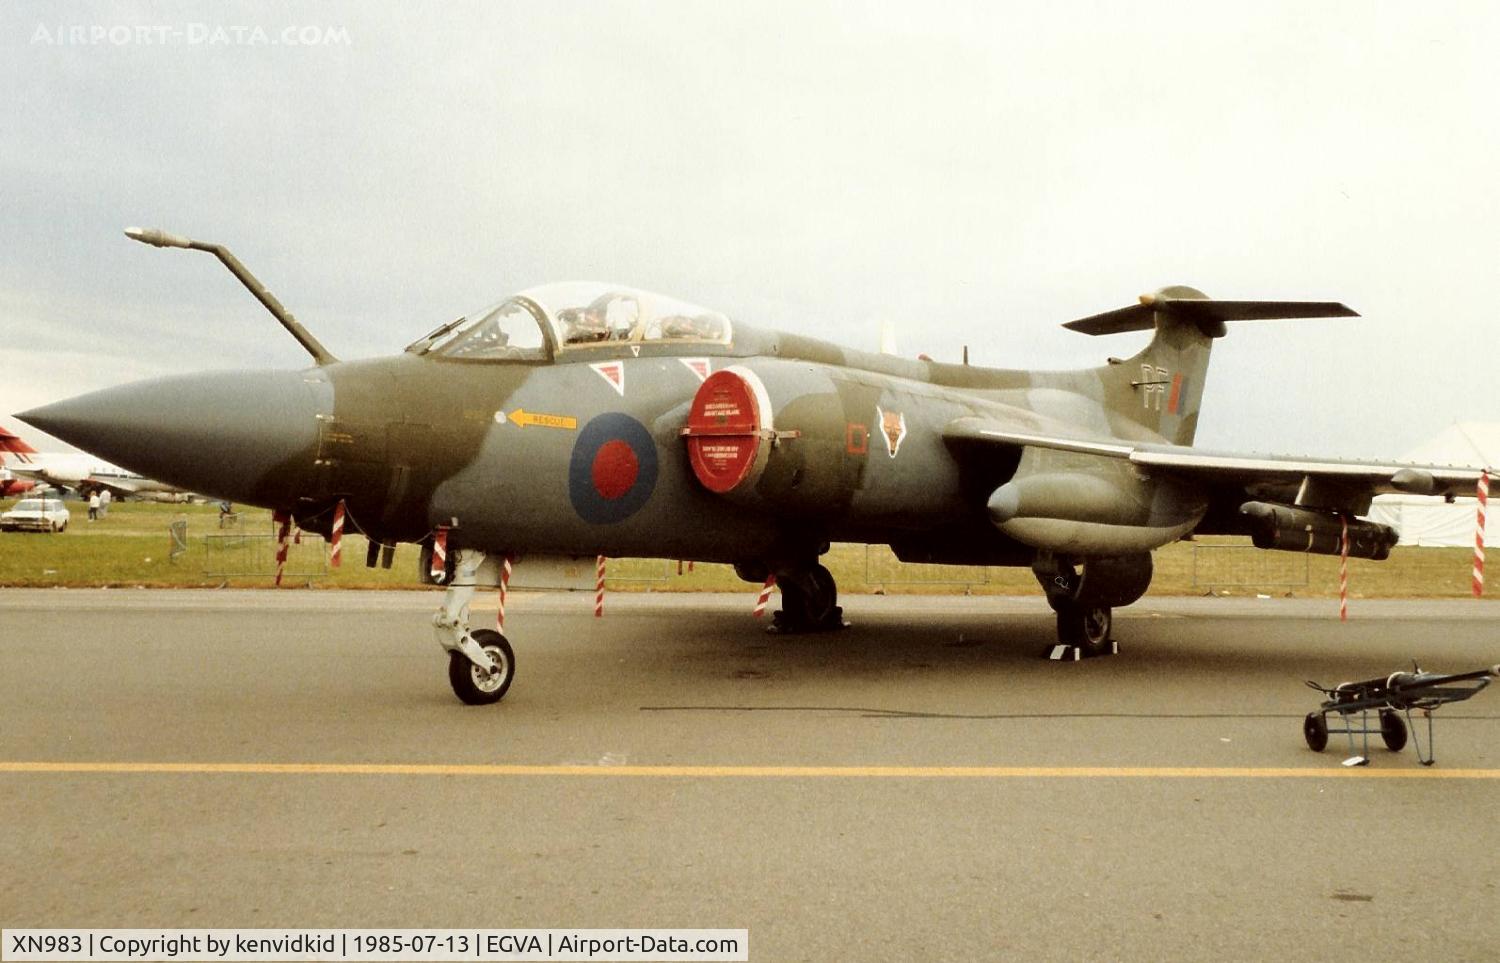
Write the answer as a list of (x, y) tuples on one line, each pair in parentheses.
[(241, 435)]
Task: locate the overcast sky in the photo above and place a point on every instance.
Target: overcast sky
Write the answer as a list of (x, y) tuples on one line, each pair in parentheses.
[(976, 174)]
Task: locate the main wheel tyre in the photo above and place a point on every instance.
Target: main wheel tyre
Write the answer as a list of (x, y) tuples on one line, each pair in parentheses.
[(1392, 730), (1315, 731), (1098, 621), (822, 602), (473, 685), (1087, 627), (809, 601)]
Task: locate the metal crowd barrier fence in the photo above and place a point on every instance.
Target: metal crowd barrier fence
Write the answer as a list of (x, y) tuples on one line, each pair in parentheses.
[(1218, 567), (247, 555)]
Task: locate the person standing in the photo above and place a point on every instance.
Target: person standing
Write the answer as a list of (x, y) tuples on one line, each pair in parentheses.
[(93, 506), (104, 499)]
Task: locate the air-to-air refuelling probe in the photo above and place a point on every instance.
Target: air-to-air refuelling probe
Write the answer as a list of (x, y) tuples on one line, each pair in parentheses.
[(588, 419)]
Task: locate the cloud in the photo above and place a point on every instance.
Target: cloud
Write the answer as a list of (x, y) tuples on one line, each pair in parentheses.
[(976, 174)]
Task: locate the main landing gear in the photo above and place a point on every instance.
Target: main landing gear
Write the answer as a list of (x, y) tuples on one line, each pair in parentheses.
[(809, 602), (1083, 626), (809, 598), (481, 664)]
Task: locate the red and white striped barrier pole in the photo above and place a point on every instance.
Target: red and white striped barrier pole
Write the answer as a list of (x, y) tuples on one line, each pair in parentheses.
[(599, 591), (504, 589), (765, 595), (283, 536), (1344, 570), (336, 537), (439, 568), (1483, 494)]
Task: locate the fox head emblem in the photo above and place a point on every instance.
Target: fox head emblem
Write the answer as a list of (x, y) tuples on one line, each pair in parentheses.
[(893, 426)]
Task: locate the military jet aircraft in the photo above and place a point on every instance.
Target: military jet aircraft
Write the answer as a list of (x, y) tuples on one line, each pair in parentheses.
[(588, 419)]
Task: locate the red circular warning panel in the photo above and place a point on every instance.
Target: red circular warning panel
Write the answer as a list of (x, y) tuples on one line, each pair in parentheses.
[(724, 430)]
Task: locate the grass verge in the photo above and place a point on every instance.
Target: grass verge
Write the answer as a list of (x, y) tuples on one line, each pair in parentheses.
[(131, 546)]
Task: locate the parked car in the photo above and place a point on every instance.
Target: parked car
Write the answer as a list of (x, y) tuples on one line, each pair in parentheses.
[(36, 515)]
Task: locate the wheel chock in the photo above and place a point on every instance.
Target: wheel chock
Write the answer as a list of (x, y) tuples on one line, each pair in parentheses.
[(1063, 652)]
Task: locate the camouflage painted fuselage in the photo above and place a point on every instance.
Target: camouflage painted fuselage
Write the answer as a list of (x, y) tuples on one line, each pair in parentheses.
[(416, 442)]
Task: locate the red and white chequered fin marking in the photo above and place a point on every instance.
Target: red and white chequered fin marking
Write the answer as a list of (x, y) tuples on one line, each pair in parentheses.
[(439, 567), (765, 595), (700, 367), (504, 590), (599, 590), (1344, 570), (283, 539), (336, 537), (613, 372), (1483, 494)]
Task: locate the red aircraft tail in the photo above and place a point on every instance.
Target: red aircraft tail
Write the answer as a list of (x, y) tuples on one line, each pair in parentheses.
[(11, 444)]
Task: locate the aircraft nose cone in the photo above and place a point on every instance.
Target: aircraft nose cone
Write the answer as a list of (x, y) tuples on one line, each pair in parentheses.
[(249, 436)]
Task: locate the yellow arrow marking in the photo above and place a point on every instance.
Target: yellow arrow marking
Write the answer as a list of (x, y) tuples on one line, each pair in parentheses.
[(522, 418)]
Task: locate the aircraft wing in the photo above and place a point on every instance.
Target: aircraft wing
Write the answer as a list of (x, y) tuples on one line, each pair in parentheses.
[(40, 475), (120, 486), (1325, 483)]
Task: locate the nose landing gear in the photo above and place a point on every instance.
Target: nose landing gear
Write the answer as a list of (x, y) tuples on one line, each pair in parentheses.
[(481, 664)]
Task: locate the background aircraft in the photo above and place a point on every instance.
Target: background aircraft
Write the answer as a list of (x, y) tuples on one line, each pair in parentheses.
[(10, 486), (590, 419), (13, 447), (72, 470)]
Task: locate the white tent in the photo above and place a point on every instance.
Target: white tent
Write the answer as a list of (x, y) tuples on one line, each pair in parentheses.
[(1428, 520)]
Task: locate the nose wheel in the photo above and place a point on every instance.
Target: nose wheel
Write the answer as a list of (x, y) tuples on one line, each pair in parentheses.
[(478, 686), (481, 665)]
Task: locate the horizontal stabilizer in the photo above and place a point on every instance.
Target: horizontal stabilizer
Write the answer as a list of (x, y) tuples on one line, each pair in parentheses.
[(1208, 314)]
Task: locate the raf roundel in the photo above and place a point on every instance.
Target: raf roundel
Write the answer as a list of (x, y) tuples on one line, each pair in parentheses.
[(613, 469)]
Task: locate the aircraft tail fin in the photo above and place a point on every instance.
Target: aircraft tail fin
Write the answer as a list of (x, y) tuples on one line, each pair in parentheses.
[(1162, 386), (13, 445)]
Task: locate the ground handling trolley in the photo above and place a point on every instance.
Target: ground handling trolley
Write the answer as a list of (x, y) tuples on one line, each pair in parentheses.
[(1389, 698)]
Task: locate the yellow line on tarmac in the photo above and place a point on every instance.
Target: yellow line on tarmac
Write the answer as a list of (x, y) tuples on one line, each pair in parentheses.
[(739, 772)]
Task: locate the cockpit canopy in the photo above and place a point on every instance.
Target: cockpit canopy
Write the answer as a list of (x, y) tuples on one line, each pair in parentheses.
[(578, 315)]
